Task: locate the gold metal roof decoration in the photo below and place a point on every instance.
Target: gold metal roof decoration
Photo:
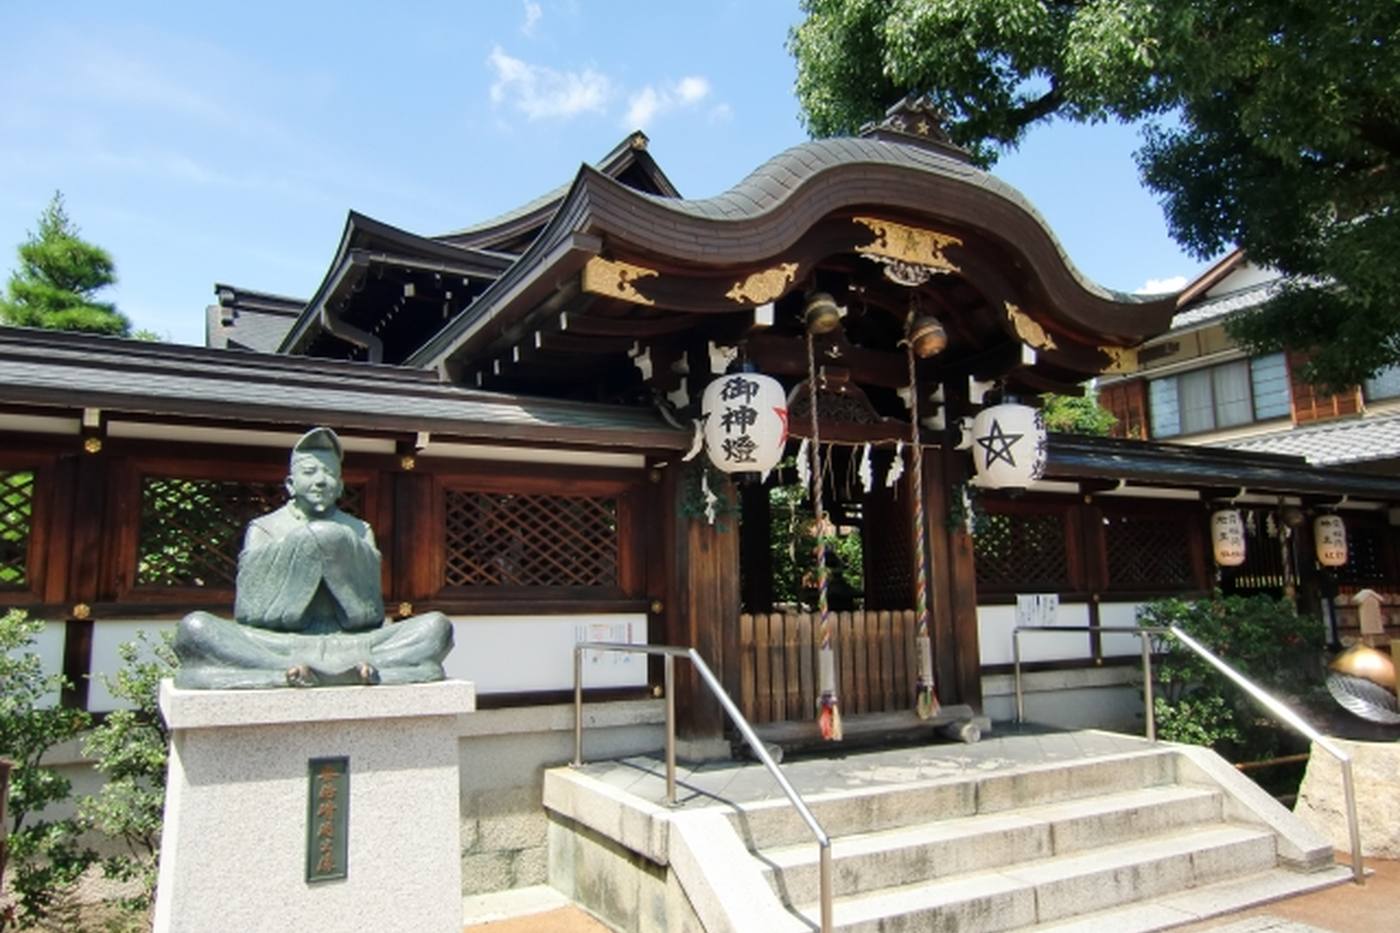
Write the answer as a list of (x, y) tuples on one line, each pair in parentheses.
[(1121, 360), (765, 285), (615, 278), (910, 255), (1028, 329)]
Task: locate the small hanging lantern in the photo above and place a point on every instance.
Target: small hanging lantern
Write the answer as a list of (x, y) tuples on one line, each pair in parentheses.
[(745, 418), (1330, 540), (1227, 537), (1008, 446)]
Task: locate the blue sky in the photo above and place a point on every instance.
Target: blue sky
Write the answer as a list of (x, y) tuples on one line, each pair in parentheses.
[(214, 142)]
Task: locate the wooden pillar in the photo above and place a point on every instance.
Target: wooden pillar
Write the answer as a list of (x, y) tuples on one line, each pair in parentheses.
[(415, 559), (703, 611), (942, 474)]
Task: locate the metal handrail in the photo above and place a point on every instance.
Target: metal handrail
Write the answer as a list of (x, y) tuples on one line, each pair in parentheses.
[(669, 654), (1263, 697)]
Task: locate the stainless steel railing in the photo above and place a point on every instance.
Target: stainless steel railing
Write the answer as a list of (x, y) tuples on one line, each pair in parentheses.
[(1276, 707), (669, 653)]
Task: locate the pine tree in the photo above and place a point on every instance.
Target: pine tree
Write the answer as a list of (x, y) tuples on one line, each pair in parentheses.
[(58, 276)]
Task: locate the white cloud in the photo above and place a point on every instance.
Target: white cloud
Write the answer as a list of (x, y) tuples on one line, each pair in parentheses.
[(1174, 283), (651, 102), (533, 14), (540, 92), (692, 89), (721, 113)]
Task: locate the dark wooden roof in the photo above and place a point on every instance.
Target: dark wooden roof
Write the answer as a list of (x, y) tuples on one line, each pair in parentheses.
[(1229, 472), (74, 371), (244, 319), (342, 297), (778, 212)]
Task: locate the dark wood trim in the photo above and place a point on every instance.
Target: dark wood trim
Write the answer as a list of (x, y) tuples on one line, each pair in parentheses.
[(1073, 664), (77, 663)]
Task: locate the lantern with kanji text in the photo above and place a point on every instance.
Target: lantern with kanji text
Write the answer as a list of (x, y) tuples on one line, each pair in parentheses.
[(1227, 537), (745, 422), (1330, 540)]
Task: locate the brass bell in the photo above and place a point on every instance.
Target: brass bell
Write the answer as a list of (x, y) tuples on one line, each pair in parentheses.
[(822, 315), (1368, 664), (927, 337)]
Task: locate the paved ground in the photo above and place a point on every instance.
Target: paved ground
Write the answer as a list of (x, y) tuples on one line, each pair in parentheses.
[(1370, 908), (1348, 908)]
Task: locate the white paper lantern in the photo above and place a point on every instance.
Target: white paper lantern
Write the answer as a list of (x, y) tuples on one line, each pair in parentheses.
[(745, 418), (1330, 540), (1227, 537), (1008, 446)]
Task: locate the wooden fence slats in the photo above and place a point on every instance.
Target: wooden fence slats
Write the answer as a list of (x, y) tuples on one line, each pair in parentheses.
[(762, 707), (885, 627), (807, 705), (746, 672), (792, 665), (776, 671), (876, 663)]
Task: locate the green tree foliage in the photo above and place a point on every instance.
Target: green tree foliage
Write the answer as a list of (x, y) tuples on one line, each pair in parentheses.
[(44, 858), (131, 748), (58, 276), (1264, 638), (1077, 414), (1270, 124)]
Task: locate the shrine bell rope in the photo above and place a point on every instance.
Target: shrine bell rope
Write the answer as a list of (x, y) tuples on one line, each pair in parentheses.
[(925, 696), (828, 710)]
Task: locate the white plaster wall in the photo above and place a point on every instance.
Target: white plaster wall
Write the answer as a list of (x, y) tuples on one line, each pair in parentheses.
[(1078, 698), (994, 625), (1120, 614), (107, 638), (48, 645), (507, 654)]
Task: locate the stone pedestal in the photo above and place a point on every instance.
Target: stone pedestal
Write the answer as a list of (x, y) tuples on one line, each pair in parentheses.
[(235, 841), (1376, 771)]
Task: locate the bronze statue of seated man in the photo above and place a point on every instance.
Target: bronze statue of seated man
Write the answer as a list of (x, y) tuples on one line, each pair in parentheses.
[(308, 607)]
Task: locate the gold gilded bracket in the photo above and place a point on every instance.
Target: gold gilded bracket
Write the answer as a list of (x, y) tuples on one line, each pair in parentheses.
[(1121, 360), (615, 279), (1028, 329), (913, 245), (764, 286)]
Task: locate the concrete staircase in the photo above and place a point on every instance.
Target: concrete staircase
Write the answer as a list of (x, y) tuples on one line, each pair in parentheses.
[(1138, 841)]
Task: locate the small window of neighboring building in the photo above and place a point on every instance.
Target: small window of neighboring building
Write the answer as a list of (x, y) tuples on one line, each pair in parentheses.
[(1384, 384), (1222, 396)]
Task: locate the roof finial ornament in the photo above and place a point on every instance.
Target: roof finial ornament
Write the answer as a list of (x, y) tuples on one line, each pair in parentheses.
[(916, 120)]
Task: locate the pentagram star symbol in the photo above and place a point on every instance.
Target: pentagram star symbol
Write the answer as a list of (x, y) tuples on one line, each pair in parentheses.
[(998, 445)]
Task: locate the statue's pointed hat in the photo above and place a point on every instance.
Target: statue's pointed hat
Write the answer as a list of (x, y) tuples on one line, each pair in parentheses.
[(319, 439)]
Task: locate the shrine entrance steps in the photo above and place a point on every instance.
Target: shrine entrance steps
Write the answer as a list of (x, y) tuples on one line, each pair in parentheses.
[(1056, 831)]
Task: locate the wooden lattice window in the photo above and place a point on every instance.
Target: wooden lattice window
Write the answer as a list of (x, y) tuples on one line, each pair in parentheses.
[(1018, 552), (1148, 552), (498, 539), (192, 529), (16, 527)]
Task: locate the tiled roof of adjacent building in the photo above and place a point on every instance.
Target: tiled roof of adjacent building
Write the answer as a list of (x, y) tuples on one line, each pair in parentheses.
[(1224, 305), (1355, 440)]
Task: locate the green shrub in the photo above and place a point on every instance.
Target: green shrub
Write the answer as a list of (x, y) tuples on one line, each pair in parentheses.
[(1263, 638), (44, 857)]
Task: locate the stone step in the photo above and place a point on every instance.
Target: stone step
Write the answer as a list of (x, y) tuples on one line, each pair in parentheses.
[(1202, 903), (867, 861), (1059, 888), (773, 823)]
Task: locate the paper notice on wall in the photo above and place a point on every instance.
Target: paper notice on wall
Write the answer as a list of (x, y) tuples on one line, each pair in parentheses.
[(1036, 608), (612, 633)]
